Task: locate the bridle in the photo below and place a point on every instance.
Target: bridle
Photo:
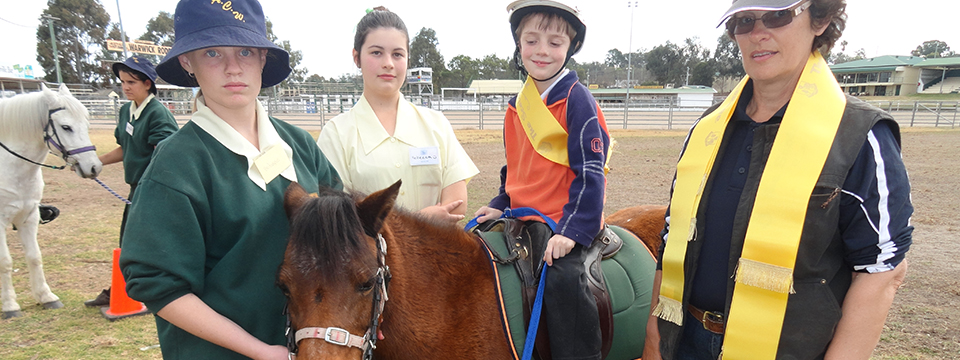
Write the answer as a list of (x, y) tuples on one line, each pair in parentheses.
[(338, 336), (51, 138)]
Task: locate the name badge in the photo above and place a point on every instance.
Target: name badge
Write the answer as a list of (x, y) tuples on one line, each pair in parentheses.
[(130, 129), (424, 156), (271, 162)]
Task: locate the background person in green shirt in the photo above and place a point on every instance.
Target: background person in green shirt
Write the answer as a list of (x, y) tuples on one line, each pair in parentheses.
[(207, 229), (141, 125)]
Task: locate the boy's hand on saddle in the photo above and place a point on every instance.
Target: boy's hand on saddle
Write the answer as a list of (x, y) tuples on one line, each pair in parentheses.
[(558, 247), (444, 212), (487, 213)]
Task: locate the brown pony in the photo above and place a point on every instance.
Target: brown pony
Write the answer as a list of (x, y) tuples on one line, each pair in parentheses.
[(645, 221), (441, 298)]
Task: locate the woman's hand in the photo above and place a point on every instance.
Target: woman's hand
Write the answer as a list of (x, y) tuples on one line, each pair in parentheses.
[(444, 212)]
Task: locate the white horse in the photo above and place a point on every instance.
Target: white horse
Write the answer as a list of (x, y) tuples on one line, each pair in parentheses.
[(31, 125)]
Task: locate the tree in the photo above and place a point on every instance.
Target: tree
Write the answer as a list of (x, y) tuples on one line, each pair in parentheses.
[(703, 73), (424, 53), (297, 74), (933, 49), (463, 69), (662, 62), (159, 31), (615, 59), (727, 58), (80, 33), (111, 56)]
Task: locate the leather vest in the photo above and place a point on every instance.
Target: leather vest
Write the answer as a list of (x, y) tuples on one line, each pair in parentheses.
[(821, 278)]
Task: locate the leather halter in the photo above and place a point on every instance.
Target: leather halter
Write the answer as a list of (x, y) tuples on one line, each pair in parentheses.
[(48, 139), (51, 137), (337, 336)]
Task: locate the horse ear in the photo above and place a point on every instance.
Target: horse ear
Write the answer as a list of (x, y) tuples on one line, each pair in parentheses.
[(294, 198), (375, 208), (64, 90), (49, 96)]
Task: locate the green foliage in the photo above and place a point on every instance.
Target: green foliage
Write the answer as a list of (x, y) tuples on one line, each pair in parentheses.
[(424, 53), (727, 58), (933, 49), (79, 33), (297, 73)]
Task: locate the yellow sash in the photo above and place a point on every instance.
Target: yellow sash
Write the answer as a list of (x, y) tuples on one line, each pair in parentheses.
[(546, 135), (764, 275), (544, 132)]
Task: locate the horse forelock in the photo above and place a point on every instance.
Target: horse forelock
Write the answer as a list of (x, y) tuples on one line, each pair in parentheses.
[(327, 236), (24, 116)]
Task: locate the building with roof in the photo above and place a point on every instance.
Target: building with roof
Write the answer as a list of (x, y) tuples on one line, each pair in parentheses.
[(896, 75), (694, 96)]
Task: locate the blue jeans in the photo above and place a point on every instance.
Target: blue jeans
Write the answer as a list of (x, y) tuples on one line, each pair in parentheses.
[(697, 343)]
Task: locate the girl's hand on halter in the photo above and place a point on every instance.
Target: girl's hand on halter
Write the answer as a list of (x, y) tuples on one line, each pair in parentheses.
[(558, 247), (487, 213), (444, 212)]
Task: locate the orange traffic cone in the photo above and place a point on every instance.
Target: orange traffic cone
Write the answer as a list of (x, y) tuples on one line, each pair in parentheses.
[(121, 305)]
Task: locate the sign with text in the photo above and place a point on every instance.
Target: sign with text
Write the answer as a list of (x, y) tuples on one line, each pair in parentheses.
[(138, 47)]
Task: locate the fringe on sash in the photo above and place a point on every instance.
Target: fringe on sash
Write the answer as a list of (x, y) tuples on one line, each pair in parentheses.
[(765, 276), (670, 310)]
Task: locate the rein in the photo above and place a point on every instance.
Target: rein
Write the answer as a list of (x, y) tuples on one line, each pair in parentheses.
[(338, 336), (49, 140)]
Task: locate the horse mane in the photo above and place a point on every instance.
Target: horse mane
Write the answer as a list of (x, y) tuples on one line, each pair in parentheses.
[(326, 233), (16, 113)]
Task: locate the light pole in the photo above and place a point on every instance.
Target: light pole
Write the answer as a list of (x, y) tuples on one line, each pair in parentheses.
[(53, 41), (626, 101), (123, 35)]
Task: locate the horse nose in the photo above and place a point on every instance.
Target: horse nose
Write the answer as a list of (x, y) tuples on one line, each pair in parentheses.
[(94, 171)]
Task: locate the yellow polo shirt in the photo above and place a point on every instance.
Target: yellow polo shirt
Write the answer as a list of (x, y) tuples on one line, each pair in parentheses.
[(423, 152)]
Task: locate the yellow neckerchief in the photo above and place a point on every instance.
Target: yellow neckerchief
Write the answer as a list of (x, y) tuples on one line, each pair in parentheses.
[(764, 275), (546, 135), (544, 132)]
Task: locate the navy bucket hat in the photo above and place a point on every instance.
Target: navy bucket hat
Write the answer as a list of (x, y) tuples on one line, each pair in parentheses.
[(200, 24), (140, 65), (137, 64)]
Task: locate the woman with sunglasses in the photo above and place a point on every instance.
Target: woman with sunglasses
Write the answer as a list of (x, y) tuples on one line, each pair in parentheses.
[(790, 206)]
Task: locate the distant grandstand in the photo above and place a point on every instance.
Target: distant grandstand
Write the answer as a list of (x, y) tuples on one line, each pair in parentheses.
[(893, 75)]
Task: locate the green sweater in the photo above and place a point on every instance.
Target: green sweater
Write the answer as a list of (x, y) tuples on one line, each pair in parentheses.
[(199, 225), (154, 124)]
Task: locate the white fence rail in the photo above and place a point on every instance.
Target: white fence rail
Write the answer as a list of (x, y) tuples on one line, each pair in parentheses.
[(487, 113)]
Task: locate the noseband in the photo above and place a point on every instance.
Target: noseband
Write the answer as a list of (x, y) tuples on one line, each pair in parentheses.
[(337, 336), (51, 137)]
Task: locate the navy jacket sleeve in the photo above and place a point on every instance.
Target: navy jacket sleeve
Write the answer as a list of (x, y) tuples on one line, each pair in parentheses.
[(587, 146)]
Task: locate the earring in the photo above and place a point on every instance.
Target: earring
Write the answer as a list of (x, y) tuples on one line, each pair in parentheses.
[(190, 74)]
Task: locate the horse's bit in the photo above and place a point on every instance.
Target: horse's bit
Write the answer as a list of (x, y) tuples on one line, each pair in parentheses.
[(337, 336), (49, 140)]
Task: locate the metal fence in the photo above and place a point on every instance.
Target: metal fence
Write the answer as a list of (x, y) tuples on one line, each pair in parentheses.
[(488, 112)]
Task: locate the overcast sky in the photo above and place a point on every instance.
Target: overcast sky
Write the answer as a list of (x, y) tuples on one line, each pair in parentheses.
[(323, 30)]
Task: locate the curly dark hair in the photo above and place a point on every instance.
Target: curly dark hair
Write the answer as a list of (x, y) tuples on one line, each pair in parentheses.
[(821, 12), (833, 12)]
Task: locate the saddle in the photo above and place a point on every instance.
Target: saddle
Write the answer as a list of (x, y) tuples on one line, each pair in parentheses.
[(526, 242)]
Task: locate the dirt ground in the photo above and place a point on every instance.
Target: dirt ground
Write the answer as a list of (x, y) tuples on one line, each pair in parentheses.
[(923, 323)]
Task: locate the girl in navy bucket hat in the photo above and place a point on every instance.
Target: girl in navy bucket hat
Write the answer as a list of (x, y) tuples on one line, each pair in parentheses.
[(141, 125), (207, 230)]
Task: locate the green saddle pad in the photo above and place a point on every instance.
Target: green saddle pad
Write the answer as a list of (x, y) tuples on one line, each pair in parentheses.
[(629, 277)]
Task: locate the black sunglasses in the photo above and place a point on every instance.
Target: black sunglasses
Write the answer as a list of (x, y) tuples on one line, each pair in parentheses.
[(739, 25)]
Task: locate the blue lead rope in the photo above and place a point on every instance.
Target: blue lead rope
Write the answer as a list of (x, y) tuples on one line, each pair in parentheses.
[(534, 318), (538, 302), (112, 192)]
